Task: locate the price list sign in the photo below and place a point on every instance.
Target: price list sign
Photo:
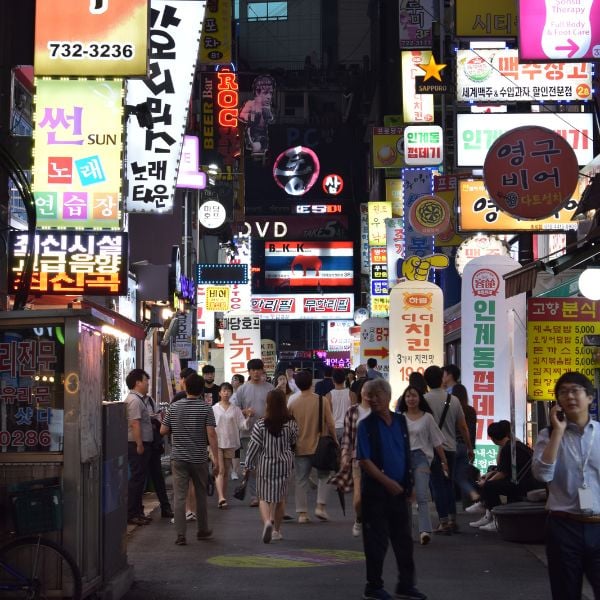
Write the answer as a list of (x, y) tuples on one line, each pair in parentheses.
[(555, 330)]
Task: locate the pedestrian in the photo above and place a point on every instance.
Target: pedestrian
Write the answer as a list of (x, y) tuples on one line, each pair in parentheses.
[(361, 377), (450, 377), (449, 417), (270, 454), (372, 372), (229, 421), (339, 397), (326, 384), (289, 373), (181, 393), (567, 458), (237, 379), (305, 409), (384, 454), (211, 389), (350, 377), (416, 380), (191, 423), (139, 444), (282, 383), (251, 398), (425, 439)]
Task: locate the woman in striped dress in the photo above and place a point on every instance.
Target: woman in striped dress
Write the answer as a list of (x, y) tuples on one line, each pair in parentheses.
[(270, 453)]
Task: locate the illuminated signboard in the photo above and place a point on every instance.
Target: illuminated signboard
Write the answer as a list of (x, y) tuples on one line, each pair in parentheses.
[(220, 274), (189, 175), (416, 19), (497, 18), (475, 134), (257, 115), (388, 147), (378, 213), (91, 39), (153, 154), (416, 108), (77, 159), (292, 264), (303, 306), (216, 40), (497, 76), (72, 262), (423, 145)]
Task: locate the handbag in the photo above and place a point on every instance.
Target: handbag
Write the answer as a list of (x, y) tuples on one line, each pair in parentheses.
[(240, 490), (326, 456)]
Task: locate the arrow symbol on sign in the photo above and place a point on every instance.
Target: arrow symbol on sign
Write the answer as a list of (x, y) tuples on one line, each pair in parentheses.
[(572, 46), (380, 352)]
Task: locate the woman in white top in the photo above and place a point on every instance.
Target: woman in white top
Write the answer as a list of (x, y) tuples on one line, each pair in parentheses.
[(425, 438), (229, 420), (339, 397)]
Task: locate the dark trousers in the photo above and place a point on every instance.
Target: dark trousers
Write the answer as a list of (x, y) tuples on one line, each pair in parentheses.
[(387, 519), (492, 490), (158, 481), (573, 550), (442, 487), (138, 473)]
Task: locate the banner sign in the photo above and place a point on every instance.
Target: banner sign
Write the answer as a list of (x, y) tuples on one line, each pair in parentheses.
[(375, 343), (475, 133), (303, 306), (153, 153), (416, 19), (486, 18), (339, 338), (91, 39), (241, 292), (241, 338), (416, 108), (551, 30), (416, 331), (395, 245), (378, 213), (364, 240), (205, 319), (182, 339), (555, 331), (72, 262), (216, 38), (497, 76), (486, 342), (417, 183), (77, 158), (477, 212)]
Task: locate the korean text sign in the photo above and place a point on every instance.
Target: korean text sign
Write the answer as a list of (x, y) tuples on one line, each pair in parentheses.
[(77, 160), (31, 389), (374, 343), (91, 39), (555, 330), (153, 153), (216, 41), (72, 262), (241, 342), (491, 18)]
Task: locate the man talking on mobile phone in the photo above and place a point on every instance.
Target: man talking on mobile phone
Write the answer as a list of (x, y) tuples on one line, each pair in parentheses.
[(567, 457)]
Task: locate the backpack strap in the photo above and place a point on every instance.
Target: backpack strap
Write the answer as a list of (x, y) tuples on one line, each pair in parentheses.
[(445, 413)]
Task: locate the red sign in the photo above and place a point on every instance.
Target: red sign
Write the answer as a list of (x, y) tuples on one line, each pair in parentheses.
[(530, 172)]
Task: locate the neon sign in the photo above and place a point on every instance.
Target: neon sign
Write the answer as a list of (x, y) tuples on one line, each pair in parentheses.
[(227, 98)]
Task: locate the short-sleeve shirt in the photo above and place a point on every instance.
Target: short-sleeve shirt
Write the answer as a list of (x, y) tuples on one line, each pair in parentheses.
[(424, 434), (211, 395), (137, 408), (436, 399), (254, 396)]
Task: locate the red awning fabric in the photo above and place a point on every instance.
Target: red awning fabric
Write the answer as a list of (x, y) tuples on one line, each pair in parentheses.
[(119, 321)]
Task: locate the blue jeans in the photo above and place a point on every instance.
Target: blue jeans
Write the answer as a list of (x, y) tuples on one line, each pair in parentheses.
[(420, 466), (303, 467), (443, 487), (461, 476), (573, 550)]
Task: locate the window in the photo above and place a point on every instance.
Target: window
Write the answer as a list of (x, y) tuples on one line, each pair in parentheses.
[(267, 11)]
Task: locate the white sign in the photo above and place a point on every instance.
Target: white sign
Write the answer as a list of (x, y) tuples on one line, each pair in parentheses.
[(416, 108), (375, 343), (211, 214), (240, 293), (205, 319), (416, 331), (476, 246), (423, 145), (497, 76), (182, 340), (303, 306), (269, 355), (241, 342), (475, 134), (152, 154), (339, 338), (487, 354), (395, 243)]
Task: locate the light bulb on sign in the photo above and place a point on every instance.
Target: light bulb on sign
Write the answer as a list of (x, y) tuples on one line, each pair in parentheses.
[(589, 283)]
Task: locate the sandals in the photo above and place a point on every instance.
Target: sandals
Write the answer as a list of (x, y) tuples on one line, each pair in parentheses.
[(223, 503)]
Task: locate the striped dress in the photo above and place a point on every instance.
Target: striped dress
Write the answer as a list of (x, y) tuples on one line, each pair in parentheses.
[(273, 459)]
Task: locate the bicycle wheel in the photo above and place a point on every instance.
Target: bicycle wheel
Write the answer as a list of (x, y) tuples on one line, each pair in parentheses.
[(41, 568)]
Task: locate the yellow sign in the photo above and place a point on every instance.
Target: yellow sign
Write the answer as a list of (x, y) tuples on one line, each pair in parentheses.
[(77, 160), (378, 213), (217, 298), (91, 39), (215, 48), (432, 69), (394, 193), (486, 18), (388, 147), (380, 306)]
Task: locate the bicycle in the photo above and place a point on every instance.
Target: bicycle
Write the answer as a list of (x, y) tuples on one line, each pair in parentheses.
[(33, 567)]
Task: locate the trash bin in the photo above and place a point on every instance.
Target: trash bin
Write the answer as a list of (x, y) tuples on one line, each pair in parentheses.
[(521, 521)]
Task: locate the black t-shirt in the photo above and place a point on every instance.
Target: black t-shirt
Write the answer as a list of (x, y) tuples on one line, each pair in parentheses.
[(324, 386), (211, 394), (524, 453)]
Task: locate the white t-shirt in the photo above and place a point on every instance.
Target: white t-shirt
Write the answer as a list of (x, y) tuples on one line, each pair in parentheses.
[(424, 434), (340, 403), (229, 422)]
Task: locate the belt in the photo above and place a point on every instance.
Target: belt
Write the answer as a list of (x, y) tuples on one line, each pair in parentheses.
[(575, 517)]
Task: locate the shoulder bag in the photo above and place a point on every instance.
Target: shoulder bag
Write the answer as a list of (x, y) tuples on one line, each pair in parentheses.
[(326, 456)]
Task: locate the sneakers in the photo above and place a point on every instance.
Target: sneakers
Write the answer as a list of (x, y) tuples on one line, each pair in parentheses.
[(180, 541), (487, 518), (321, 513), (234, 476), (356, 529), (425, 538), (204, 535), (190, 516), (491, 526), (476, 507), (276, 536), (267, 533), (303, 518), (411, 593), (379, 594)]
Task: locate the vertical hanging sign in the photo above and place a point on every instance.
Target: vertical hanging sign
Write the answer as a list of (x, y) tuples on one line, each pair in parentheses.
[(242, 342)]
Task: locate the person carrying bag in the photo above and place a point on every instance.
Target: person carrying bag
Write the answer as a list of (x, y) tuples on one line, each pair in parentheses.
[(327, 454)]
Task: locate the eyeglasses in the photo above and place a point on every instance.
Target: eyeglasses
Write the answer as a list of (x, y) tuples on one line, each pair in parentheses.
[(575, 389)]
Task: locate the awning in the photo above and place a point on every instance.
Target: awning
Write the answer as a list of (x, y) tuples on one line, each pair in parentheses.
[(117, 321)]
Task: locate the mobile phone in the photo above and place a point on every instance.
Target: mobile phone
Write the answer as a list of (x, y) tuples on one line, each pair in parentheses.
[(560, 414)]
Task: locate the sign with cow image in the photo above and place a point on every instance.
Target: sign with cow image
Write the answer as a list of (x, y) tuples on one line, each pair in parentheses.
[(308, 264)]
